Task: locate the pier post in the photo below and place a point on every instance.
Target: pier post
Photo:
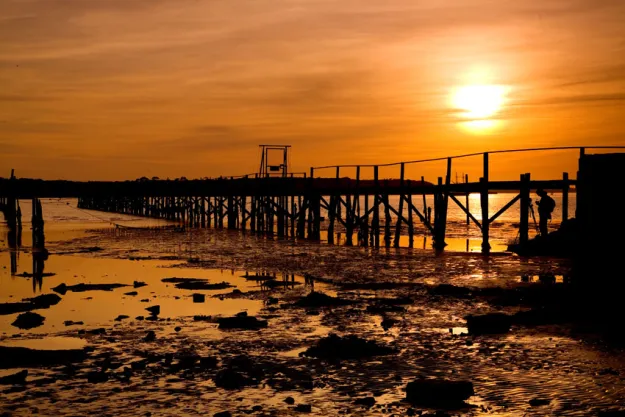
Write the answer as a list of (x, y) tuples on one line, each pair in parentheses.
[(375, 221), (466, 199), (565, 196), (484, 205), (525, 208), (400, 210)]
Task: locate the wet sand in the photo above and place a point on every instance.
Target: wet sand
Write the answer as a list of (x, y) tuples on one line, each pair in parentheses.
[(393, 297)]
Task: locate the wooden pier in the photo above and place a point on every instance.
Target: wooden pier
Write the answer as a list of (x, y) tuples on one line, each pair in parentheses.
[(298, 207)]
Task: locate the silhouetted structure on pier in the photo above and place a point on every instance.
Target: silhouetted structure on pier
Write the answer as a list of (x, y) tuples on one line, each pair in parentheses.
[(290, 206)]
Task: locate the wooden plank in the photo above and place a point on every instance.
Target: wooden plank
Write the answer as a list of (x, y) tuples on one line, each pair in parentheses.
[(465, 210)]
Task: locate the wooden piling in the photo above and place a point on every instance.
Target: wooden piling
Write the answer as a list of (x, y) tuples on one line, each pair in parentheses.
[(565, 196), (525, 208), (484, 206)]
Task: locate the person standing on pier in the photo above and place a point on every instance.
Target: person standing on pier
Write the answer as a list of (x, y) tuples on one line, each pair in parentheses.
[(546, 204)]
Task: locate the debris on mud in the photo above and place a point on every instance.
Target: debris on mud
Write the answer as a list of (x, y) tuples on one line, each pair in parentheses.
[(28, 320), (439, 392), (28, 304), (491, 323), (196, 284), (20, 357), (18, 378), (138, 284), (348, 347), (319, 299), (63, 288), (241, 321), (365, 402), (73, 323)]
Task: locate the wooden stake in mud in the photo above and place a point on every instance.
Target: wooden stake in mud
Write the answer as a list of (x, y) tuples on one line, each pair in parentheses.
[(565, 196), (484, 206), (401, 206), (525, 208), (375, 221)]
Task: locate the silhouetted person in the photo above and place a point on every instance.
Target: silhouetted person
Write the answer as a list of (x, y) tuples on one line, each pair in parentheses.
[(546, 205)]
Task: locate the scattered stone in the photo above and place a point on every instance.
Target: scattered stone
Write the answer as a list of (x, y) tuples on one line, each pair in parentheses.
[(140, 318), (348, 347), (439, 392), (199, 298), (28, 304), (177, 328), (18, 378), (121, 317), (132, 293), (154, 310), (145, 300), (448, 289), (303, 408), (319, 299), (312, 312), (257, 408), (208, 362), (28, 320), (289, 400), (138, 284), (97, 377), (223, 414), (231, 379), (388, 322), (196, 284), (385, 308), (73, 323), (492, 323), (366, 402), (138, 365), (63, 288), (150, 336), (537, 402), (242, 321), (19, 357), (272, 301)]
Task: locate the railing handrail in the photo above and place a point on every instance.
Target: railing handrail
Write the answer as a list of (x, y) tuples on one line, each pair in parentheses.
[(555, 148)]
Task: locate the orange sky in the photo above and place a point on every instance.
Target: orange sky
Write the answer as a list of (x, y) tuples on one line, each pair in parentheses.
[(118, 89)]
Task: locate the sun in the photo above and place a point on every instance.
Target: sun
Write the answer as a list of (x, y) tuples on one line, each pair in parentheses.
[(479, 102)]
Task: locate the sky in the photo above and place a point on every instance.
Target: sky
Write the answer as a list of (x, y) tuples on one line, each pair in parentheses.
[(120, 89)]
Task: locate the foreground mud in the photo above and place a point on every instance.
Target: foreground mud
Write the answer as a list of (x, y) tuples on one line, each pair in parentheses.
[(397, 315)]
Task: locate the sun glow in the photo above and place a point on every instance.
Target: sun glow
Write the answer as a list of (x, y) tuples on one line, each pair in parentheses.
[(479, 102)]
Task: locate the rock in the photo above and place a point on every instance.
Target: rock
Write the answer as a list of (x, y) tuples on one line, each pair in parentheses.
[(150, 336), (303, 408), (132, 293), (138, 284), (121, 317), (448, 289), (140, 318), (366, 402), (289, 400), (187, 361), (319, 299), (199, 298), (18, 378), (28, 320), (537, 402), (97, 377), (145, 300), (73, 323), (154, 310), (63, 288), (257, 408), (348, 347), (272, 301), (223, 414), (202, 318), (439, 392), (208, 362), (196, 284), (138, 365), (312, 312), (611, 413), (177, 328), (492, 323), (231, 379), (243, 322), (385, 308), (28, 304)]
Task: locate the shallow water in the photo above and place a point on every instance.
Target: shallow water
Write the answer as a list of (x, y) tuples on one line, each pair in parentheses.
[(547, 362)]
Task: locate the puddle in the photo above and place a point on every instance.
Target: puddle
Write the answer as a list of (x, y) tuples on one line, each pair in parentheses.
[(47, 343)]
